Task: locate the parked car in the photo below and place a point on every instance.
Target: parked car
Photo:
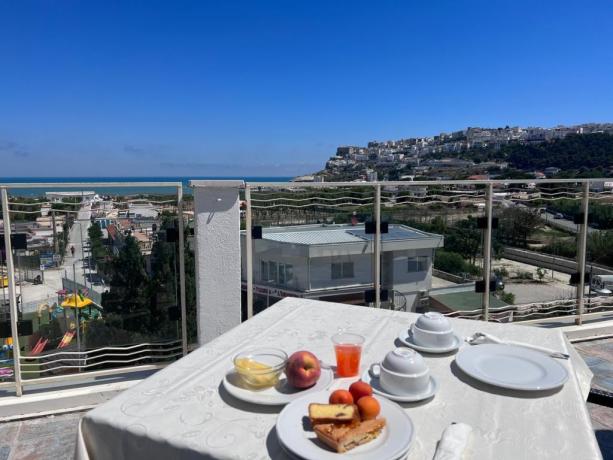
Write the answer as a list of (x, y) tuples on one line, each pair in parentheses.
[(499, 282)]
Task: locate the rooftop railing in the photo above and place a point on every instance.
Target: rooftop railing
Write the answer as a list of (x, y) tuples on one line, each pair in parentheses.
[(94, 280), (531, 251), (555, 233)]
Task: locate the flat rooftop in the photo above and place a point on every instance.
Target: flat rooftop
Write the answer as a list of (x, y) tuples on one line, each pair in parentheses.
[(466, 301), (337, 234)]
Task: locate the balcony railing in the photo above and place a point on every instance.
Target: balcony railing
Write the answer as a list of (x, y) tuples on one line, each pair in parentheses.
[(533, 251), (93, 280), (490, 205)]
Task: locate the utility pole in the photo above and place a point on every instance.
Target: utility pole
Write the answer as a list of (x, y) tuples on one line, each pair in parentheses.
[(12, 294), (487, 251), (83, 255), (76, 309), (56, 248)]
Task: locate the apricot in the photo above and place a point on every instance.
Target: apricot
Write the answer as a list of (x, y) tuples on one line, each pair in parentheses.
[(359, 389), (341, 397), (369, 407)]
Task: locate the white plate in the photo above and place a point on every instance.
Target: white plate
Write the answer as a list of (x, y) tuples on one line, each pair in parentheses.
[(295, 434), (405, 337), (282, 393), (512, 367), (377, 388), (290, 454)]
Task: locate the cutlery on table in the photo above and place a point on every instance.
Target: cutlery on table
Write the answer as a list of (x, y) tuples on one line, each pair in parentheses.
[(482, 337)]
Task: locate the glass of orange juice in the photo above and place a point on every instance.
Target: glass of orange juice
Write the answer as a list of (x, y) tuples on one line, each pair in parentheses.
[(348, 349)]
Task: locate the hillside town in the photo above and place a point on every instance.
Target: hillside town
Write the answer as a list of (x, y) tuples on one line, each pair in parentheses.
[(439, 157)]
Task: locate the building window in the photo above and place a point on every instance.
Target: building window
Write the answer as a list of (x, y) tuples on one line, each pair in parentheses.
[(418, 264), (289, 273), (282, 274), (286, 274), (273, 275), (342, 270), (272, 272)]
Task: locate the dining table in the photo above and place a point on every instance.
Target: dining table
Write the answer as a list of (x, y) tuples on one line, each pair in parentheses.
[(184, 412)]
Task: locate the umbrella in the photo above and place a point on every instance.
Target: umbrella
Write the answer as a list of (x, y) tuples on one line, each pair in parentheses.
[(76, 301)]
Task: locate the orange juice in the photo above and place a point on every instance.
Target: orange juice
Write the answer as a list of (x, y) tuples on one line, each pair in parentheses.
[(348, 359)]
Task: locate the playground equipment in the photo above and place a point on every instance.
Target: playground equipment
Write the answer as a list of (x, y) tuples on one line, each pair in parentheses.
[(39, 347), (6, 371), (66, 339), (53, 310), (76, 301)]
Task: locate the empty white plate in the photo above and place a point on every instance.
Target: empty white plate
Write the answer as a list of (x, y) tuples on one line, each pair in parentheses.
[(513, 367), (295, 433), (282, 393)]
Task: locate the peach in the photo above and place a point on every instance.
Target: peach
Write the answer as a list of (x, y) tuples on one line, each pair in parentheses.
[(302, 369)]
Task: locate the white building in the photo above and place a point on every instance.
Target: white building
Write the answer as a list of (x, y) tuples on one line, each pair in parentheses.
[(335, 262), (85, 196)]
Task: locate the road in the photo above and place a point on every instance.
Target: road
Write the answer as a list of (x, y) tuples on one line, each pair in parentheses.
[(563, 224), (32, 295), (77, 238), (549, 218)]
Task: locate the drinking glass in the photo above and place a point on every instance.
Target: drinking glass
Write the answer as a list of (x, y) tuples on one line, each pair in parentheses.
[(348, 349)]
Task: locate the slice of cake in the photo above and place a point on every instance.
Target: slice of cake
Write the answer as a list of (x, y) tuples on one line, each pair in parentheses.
[(344, 437), (330, 413)]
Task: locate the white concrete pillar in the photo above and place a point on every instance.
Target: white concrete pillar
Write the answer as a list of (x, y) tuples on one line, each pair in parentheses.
[(218, 256)]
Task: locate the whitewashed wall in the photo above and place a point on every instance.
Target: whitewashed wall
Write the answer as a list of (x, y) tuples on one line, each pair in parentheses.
[(321, 271), (218, 265)]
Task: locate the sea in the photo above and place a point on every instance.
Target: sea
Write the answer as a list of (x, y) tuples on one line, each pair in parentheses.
[(132, 189)]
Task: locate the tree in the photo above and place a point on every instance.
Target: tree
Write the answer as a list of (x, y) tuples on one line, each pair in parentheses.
[(464, 238), (163, 287), (164, 284), (454, 263), (98, 250), (517, 225), (129, 287), (507, 297), (600, 247)]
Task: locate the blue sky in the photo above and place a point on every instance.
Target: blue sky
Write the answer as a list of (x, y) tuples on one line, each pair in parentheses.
[(271, 88)]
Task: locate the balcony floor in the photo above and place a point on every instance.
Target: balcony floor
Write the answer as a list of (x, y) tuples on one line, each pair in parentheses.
[(598, 355), (51, 437)]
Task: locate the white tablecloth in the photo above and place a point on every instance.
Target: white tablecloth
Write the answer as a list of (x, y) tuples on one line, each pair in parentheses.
[(182, 412)]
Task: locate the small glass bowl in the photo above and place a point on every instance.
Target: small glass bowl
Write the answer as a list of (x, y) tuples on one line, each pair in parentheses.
[(260, 367)]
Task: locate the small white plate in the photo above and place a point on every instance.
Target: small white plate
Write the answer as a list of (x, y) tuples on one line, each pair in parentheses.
[(405, 337), (512, 367), (375, 383), (282, 393), (295, 433)]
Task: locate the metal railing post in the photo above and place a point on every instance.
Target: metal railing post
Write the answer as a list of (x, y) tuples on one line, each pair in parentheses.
[(248, 251), (582, 252), (487, 251), (377, 246), (12, 294), (182, 269)]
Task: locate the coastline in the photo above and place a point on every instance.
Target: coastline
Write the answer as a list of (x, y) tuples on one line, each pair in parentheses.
[(134, 189)]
